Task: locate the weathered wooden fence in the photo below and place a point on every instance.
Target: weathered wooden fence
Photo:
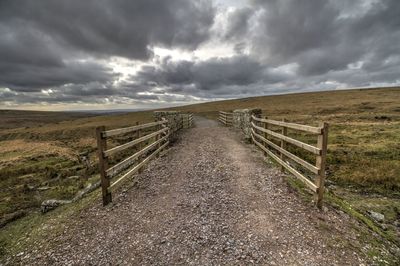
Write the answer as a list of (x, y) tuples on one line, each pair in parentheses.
[(187, 120), (225, 118), (150, 139), (264, 138)]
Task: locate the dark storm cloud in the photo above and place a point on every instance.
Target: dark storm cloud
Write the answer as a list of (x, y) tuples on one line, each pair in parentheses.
[(323, 36), (60, 51), (21, 78), (294, 45), (115, 27), (207, 78), (55, 44), (206, 75), (238, 23)]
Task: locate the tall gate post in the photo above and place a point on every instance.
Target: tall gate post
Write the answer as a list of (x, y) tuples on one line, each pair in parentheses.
[(265, 134), (103, 165), (322, 144), (283, 143)]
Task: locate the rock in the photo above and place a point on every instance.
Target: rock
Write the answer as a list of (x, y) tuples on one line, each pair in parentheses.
[(395, 251), (51, 204), (379, 217), (43, 188), (7, 218), (384, 227), (86, 190), (396, 223)]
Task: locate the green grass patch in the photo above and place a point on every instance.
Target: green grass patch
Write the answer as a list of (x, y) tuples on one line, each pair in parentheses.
[(387, 238), (36, 229)]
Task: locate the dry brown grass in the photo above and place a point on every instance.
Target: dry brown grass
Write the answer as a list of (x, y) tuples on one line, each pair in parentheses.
[(364, 141), (17, 118), (35, 152), (364, 129), (13, 150)]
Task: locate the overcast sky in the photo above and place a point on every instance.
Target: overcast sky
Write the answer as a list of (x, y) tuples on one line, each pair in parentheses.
[(104, 54)]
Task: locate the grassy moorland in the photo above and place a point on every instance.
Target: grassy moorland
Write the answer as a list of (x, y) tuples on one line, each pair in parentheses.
[(15, 118), (45, 161), (363, 165), (364, 135), (41, 153)]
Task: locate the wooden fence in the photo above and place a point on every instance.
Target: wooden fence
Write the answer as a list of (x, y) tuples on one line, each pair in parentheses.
[(226, 118), (154, 135), (187, 120), (263, 138)]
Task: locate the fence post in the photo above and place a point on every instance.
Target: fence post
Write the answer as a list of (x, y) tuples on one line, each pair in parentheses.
[(159, 127), (321, 163), (139, 134), (265, 134), (168, 132), (283, 143), (251, 128), (103, 165), (247, 117)]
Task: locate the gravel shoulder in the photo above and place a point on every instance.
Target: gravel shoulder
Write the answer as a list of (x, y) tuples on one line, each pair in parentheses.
[(211, 200)]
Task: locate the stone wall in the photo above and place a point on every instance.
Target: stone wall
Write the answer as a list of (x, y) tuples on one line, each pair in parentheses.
[(185, 120), (175, 121), (242, 120)]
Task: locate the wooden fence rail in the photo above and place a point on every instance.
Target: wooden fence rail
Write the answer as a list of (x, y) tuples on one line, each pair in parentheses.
[(187, 120), (156, 142), (190, 120), (226, 118), (262, 137)]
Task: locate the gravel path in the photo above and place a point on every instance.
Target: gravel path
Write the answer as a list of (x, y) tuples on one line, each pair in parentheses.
[(212, 200)]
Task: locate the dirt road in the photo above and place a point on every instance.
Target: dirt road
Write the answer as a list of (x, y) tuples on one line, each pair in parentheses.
[(211, 200)]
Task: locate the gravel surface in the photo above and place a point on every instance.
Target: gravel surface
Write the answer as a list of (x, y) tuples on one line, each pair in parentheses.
[(211, 200)]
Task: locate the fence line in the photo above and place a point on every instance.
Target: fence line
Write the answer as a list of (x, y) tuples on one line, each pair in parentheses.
[(226, 118), (187, 120), (190, 120), (160, 140), (260, 134)]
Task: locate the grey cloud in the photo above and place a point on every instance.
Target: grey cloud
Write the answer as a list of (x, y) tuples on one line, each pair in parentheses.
[(204, 75), (238, 25), (54, 44), (281, 46), (115, 27), (207, 78), (91, 92), (20, 45), (320, 38), (20, 77), (97, 89)]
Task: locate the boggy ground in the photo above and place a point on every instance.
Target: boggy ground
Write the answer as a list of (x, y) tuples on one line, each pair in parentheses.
[(210, 200)]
